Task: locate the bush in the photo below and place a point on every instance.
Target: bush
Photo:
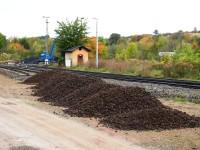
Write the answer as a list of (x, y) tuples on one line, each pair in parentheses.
[(178, 70), (4, 56)]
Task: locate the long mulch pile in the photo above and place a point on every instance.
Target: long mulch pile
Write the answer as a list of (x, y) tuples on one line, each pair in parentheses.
[(115, 100), (150, 119), (125, 108)]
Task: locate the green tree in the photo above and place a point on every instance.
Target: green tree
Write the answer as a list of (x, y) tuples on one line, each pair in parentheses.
[(132, 50), (103, 40), (121, 49), (127, 52), (187, 54), (145, 46), (178, 38), (70, 34), (112, 50), (155, 48), (163, 44), (156, 32), (2, 41), (114, 38), (121, 54), (24, 43), (195, 30)]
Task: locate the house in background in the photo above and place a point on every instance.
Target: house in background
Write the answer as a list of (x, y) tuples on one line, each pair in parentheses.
[(162, 54), (76, 56)]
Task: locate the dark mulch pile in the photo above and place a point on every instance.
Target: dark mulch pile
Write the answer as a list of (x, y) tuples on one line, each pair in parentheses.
[(41, 77), (52, 86), (152, 119), (79, 95), (114, 101), (117, 107)]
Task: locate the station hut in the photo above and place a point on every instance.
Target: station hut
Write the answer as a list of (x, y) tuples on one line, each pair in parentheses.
[(76, 56)]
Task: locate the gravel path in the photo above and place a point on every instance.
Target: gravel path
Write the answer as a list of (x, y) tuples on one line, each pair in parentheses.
[(160, 90)]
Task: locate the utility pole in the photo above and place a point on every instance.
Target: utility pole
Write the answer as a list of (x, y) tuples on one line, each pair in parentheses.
[(82, 21), (46, 37), (97, 44)]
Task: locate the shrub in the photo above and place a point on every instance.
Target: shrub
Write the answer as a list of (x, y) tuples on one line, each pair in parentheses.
[(178, 70), (4, 56)]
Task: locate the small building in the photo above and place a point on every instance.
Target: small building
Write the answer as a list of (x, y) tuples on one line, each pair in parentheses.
[(76, 56), (162, 54)]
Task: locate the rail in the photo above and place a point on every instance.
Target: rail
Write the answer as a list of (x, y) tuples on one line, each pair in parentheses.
[(129, 78)]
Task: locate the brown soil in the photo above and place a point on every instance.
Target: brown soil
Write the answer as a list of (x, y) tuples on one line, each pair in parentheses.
[(59, 84), (116, 100), (150, 119), (79, 95), (125, 108)]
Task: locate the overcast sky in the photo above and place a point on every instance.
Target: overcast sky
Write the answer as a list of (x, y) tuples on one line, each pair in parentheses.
[(127, 17)]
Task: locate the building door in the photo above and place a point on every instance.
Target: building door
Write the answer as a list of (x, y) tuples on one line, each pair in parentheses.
[(80, 59)]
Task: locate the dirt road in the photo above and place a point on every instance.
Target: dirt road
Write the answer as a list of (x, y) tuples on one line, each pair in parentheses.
[(24, 124)]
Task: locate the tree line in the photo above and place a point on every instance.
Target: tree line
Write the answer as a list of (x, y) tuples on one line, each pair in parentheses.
[(146, 47)]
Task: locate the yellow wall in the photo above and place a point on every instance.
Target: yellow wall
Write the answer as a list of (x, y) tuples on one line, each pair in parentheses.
[(74, 56)]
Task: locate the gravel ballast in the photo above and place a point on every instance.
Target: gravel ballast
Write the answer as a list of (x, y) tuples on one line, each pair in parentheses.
[(161, 90)]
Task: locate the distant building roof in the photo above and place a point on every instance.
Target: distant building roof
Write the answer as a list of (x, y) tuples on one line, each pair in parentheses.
[(78, 47), (161, 54)]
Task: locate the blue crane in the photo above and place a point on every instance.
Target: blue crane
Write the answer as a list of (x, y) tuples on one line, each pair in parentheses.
[(46, 55)]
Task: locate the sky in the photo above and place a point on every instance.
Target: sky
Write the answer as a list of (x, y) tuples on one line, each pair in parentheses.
[(24, 18)]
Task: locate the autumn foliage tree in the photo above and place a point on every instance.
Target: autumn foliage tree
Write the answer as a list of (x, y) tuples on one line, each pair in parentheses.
[(92, 45)]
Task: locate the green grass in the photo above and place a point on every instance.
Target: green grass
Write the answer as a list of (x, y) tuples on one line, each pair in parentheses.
[(84, 68), (185, 100)]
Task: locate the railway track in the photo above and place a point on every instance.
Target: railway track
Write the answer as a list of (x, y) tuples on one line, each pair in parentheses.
[(27, 69)]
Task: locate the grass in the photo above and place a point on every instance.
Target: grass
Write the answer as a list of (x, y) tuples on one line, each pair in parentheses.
[(185, 100), (131, 67), (136, 67)]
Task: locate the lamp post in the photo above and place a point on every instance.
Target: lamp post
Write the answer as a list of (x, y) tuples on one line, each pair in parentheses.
[(46, 38), (97, 44), (81, 21)]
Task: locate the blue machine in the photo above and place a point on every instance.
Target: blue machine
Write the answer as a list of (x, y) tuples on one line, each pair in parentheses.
[(46, 55)]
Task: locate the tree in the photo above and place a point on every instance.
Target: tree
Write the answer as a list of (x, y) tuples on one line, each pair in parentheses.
[(178, 36), (146, 42), (112, 50), (164, 44), (2, 41), (195, 30), (24, 43), (70, 34), (121, 49), (155, 32), (128, 52), (92, 45), (187, 54), (132, 50), (155, 45), (196, 43), (114, 38), (145, 45)]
